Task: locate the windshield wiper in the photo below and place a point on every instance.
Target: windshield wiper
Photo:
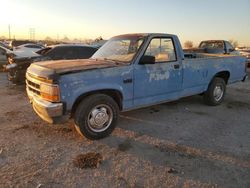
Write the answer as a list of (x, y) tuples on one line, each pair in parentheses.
[(117, 62)]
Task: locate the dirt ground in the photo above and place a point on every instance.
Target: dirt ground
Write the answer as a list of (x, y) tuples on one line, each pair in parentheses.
[(177, 144)]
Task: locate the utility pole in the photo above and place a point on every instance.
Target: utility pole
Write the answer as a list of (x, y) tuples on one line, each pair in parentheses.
[(32, 33), (9, 33)]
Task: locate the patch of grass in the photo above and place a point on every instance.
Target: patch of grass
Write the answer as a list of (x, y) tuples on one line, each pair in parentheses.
[(88, 160), (64, 130), (20, 128), (200, 113), (172, 171), (238, 104), (154, 110), (124, 146)]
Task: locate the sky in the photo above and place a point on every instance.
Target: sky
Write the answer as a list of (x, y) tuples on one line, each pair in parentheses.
[(193, 20)]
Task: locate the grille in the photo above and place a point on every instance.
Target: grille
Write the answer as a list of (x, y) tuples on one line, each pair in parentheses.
[(32, 84), (34, 91)]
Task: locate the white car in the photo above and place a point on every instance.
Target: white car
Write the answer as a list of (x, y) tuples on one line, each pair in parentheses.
[(27, 50)]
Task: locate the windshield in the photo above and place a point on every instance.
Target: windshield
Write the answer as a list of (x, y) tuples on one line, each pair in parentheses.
[(120, 49), (212, 44), (44, 51)]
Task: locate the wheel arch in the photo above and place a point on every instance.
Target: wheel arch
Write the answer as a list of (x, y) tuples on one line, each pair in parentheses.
[(113, 93), (225, 75)]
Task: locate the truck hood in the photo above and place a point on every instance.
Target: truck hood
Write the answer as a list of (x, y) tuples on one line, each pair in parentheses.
[(50, 69)]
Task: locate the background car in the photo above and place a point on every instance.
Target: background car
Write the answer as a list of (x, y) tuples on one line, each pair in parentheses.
[(24, 50), (17, 66), (246, 53), (15, 43), (27, 50), (3, 57), (3, 44)]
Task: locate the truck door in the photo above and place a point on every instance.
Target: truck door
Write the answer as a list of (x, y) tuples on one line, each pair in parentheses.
[(161, 80)]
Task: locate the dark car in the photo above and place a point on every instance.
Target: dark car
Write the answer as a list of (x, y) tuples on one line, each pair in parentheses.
[(17, 66)]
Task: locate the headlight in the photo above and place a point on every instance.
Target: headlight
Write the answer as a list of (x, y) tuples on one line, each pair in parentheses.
[(50, 92)]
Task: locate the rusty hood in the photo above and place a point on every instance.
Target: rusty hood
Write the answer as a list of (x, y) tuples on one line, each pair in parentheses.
[(49, 69)]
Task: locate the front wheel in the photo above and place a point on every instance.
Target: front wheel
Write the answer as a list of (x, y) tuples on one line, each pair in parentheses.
[(216, 92), (96, 116)]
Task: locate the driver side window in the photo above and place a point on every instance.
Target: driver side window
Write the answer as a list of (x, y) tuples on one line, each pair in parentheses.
[(162, 49)]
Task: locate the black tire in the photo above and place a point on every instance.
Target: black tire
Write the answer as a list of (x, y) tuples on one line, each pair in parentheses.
[(210, 97), (85, 110)]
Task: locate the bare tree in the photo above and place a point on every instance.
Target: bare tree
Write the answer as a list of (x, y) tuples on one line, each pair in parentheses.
[(88, 41), (234, 43), (2, 38), (66, 39), (48, 38), (98, 39), (188, 44)]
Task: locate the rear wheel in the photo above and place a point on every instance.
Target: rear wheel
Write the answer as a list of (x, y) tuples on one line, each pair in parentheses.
[(216, 92), (96, 116)]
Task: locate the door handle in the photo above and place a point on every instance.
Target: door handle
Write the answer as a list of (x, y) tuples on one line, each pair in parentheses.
[(126, 81), (176, 66)]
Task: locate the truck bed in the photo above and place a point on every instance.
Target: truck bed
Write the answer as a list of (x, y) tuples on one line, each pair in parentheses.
[(205, 55), (200, 68)]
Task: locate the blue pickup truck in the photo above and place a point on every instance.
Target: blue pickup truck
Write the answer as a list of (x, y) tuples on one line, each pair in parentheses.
[(129, 72)]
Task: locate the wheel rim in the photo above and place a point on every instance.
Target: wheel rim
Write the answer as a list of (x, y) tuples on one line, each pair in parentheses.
[(218, 93), (100, 118)]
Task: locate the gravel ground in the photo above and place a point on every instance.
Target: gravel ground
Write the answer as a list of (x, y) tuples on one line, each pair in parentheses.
[(178, 144)]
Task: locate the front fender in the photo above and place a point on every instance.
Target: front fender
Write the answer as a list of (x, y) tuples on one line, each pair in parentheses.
[(73, 95)]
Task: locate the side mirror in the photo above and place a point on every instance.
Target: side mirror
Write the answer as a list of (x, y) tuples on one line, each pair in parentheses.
[(147, 59)]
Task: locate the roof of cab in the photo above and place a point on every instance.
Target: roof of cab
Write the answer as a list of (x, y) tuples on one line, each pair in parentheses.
[(142, 35), (69, 45)]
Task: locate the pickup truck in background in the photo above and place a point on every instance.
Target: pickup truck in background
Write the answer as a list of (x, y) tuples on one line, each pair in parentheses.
[(129, 72), (246, 54), (214, 47)]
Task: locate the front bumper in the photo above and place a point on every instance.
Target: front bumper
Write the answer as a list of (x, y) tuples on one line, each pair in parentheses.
[(49, 112)]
